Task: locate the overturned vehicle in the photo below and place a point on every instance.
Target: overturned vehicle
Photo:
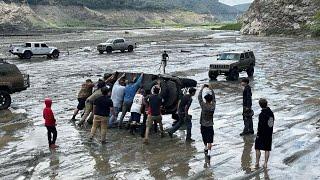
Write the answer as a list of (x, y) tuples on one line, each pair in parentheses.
[(172, 87)]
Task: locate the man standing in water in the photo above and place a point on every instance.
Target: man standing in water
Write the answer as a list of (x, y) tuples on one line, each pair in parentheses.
[(206, 119), (164, 60), (247, 111), (264, 134), (183, 114)]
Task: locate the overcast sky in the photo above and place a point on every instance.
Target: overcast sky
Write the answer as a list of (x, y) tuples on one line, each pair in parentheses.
[(234, 2)]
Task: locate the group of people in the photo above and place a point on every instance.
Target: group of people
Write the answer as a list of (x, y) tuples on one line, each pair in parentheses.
[(113, 96)]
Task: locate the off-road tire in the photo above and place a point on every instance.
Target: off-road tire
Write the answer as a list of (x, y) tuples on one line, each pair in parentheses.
[(250, 71), (213, 75), (101, 52), (188, 82), (233, 75), (55, 54), (27, 55), (130, 48), (109, 49), (5, 100)]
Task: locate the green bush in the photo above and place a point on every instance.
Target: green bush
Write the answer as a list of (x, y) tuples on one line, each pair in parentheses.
[(315, 28), (230, 26)]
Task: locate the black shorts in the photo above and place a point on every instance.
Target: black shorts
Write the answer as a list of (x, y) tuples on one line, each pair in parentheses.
[(81, 104), (207, 134), (135, 117), (262, 143)]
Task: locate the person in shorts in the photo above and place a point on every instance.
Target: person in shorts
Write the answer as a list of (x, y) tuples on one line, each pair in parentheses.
[(84, 93), (136, 110), (206, 119), (265, 130)]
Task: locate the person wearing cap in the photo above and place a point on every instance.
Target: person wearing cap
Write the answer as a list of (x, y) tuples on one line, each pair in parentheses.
[(183, 114), (89, 103), (206, 119), (84, 93), (102, 107)]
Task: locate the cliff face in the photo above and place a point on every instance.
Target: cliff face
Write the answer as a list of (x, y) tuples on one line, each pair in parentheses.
[(291, 17)]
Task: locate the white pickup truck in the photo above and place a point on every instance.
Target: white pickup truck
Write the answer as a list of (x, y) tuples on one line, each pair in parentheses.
[(29, 49), (116, 44)]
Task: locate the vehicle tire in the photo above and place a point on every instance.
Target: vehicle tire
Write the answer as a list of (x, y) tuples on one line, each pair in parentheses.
[(130, 48), (250, 71), (55, 54), (122, 51), (169, 93), (100, 52), (5, 100), (188, 83), (213, 75), (109, 49), (233, 75), (27, 55)]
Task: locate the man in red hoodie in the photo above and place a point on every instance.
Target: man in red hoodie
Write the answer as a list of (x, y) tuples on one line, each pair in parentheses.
[(50, 123)]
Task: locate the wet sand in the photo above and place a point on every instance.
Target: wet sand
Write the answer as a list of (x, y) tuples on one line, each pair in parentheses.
[(286, 73)]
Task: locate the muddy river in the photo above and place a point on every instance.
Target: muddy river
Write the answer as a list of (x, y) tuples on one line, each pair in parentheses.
[(286, 73)]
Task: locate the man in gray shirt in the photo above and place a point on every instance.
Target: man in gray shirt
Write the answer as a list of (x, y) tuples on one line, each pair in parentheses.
[(206, 119)]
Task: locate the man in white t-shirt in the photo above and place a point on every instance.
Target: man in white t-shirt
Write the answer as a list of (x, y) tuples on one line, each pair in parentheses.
[(136, 110), (117, 98)]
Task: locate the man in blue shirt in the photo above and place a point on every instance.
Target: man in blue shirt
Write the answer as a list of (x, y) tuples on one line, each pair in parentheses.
[(129, 93)]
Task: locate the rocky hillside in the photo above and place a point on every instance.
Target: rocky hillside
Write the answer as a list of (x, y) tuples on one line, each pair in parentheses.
[(293, 17), (16, 17)]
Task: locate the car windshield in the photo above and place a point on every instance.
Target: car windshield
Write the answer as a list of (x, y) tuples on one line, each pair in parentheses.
[(229, 56), (110, 41)]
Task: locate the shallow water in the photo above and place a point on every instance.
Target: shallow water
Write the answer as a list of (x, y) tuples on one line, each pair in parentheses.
[(286, 73)]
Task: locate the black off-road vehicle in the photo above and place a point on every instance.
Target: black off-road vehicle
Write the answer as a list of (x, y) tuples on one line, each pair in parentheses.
[(231, 63), (172, 87), (11, 81)]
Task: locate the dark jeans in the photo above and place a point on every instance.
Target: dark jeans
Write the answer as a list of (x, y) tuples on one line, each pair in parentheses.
[(52, 130), (125, 108), (182, 119), (247, 120)]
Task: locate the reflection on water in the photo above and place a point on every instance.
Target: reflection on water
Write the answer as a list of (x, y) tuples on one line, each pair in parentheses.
[(246, 157)]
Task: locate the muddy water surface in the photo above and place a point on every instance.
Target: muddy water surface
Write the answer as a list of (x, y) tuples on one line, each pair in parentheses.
[(286, 73)]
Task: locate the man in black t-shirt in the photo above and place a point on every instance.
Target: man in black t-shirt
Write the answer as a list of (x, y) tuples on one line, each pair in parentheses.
[(102, 107), (164, 60), (154, 113), (184, 117)]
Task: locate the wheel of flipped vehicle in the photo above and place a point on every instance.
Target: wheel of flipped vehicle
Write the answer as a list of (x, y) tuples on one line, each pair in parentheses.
[(100, 52), (130, 48), (188, 82), (109, 49), (250, 71), (213, 75), (170, 95), (233, 75), (27, 55), (55, 54), (5, 100)]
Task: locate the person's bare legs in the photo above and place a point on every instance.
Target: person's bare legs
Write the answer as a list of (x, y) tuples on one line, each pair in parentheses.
[(76, 111), (146, 136), (258, 154), (266, 159)]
